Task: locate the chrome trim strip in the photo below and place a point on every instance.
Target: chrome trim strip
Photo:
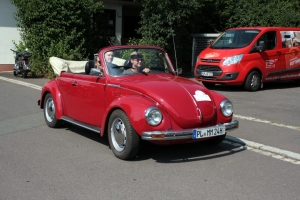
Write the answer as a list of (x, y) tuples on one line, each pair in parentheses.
[(183, 134), (114, 85), (81, 124)]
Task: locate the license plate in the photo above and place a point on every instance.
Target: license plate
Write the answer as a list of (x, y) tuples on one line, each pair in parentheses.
[(208, 132), (206, 73)]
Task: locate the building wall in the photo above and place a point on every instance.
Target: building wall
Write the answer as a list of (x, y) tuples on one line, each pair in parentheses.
[(8, 33)]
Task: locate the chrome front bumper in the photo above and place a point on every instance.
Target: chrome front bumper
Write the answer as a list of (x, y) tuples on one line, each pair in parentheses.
[(181, 134)]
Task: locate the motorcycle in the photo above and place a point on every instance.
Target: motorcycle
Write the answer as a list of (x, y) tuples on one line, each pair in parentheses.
[(22, 65)]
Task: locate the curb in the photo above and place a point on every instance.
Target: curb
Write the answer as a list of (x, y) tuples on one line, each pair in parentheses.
[(284, 153)]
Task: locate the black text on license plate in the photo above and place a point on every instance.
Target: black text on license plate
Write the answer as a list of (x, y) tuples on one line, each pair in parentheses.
[(206, 73), (208, 132)]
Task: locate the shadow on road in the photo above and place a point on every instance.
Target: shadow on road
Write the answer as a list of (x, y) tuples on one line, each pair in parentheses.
[(267, 86), (171, 153)]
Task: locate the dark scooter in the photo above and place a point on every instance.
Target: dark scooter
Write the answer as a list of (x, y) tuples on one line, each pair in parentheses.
[(22, 65)]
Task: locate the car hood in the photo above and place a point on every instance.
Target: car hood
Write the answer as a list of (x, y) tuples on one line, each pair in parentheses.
[(187, 102), (219, 53)]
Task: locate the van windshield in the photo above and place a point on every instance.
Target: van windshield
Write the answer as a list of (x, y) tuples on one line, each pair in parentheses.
[(233, 39)]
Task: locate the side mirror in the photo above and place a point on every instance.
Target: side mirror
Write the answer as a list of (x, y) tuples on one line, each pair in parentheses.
[(261, 46), (96, 72)]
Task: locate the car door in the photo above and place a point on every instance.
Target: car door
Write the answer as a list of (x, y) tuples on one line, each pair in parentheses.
[(64, 83), (88, 98), (291, 51), (271, 56)]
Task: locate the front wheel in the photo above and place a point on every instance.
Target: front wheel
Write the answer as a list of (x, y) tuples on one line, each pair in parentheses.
[(253, 81), (50, 112), (123, 140), (15, 73)]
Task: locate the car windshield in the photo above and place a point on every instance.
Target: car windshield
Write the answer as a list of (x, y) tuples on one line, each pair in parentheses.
[(131, 61), (233, 39)]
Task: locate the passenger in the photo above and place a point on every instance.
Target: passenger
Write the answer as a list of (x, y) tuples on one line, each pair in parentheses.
[(136, 59), (98, 64)]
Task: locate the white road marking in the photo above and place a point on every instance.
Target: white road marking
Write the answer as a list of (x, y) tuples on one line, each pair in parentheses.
[(277, 153), (267, 122), (281, 154), (21, 83)]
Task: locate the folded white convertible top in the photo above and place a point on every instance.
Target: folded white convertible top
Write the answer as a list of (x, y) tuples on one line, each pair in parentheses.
[(58, 65)]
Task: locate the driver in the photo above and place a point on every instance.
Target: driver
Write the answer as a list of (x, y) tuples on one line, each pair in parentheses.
[(136, 59)]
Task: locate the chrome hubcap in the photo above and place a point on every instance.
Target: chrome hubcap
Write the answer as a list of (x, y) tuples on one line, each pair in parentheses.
[(118, 134), (50, 109)]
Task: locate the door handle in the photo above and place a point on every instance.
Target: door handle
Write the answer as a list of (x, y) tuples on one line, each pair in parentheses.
[(74, 83), (278, 52)]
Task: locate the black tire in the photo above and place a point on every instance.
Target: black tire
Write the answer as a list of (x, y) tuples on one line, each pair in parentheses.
[(24, 74), (123, 140), (253, 81), (216, 140), (208, 84), (15, 73), (50, 112)]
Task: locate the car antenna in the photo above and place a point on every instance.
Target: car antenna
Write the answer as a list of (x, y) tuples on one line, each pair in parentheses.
[(174, 50)]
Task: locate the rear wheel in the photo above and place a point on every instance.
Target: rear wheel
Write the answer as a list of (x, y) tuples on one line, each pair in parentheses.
[(253, 81), (123, 140), (50, 112)]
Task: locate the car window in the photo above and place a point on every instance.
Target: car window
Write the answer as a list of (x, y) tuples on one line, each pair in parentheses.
[(120, 63)]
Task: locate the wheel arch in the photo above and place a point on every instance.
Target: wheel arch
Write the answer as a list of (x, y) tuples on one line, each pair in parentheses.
[(134, 106), (52, 88), (251, 70)]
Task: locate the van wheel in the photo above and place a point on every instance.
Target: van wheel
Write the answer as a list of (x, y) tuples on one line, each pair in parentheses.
[(253, 81), (208, 84)]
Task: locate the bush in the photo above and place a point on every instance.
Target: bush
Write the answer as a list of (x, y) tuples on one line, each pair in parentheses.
[(61, 28)]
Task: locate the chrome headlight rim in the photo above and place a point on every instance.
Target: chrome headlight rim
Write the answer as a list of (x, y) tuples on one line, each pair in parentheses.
[(226, 108), (153, 116)]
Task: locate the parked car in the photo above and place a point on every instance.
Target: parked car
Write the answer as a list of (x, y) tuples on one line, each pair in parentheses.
[(250, 56), (158, 106)]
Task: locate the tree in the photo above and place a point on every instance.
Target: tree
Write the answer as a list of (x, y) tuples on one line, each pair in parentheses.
[(169, 24), (238, 13), (62, 28)]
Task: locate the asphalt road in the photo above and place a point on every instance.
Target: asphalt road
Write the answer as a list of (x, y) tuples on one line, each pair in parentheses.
[(37, 162)]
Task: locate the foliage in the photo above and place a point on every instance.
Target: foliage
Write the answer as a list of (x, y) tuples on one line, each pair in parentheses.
[(76, 29), (169, 24), (62, 28), (238, 13)]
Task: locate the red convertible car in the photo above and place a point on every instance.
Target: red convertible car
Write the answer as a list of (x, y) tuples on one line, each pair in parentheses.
[(134, 94)]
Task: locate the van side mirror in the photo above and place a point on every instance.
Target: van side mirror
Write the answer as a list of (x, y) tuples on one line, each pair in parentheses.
[(261, 46)]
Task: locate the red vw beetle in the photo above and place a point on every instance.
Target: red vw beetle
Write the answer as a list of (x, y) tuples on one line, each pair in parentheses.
[(137, 95)]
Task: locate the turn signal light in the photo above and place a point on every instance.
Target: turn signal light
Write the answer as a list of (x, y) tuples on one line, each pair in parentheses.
[(158, 136)]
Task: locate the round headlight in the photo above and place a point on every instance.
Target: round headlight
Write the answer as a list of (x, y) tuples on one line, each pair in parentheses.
[(153, 116), (226, 108)]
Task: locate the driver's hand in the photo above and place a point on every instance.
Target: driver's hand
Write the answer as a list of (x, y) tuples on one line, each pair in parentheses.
[(146, 70)]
